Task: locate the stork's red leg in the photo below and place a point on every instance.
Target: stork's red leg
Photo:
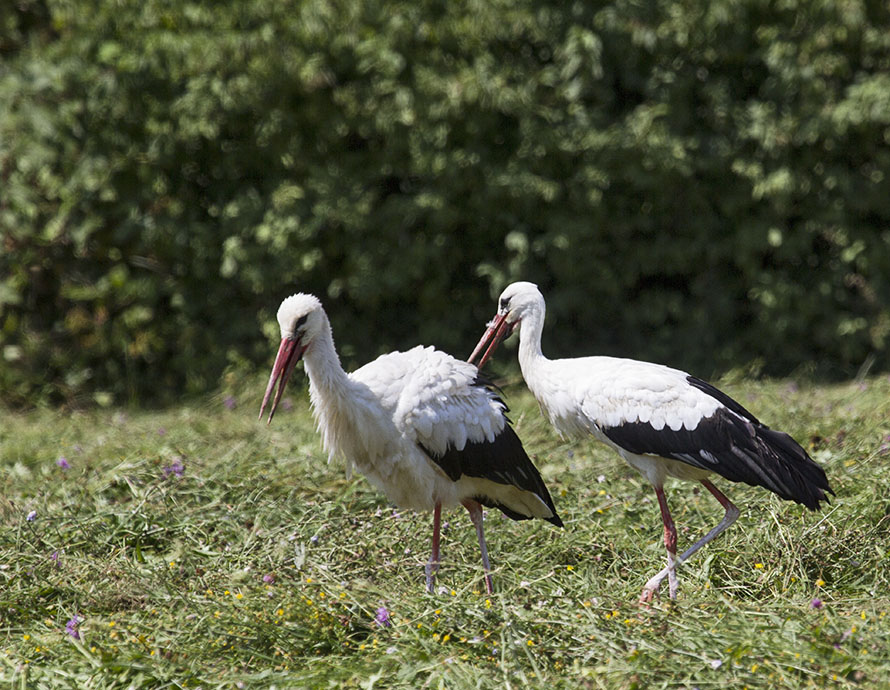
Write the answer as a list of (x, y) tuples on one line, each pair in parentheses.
[(731, 515), (475, 510), (433, 565), (728, 505), (670, 545)]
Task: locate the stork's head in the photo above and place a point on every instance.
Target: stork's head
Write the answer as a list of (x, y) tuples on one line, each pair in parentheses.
[(300, 318), (516, 301)]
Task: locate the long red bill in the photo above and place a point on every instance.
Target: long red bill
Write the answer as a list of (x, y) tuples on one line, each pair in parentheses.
[(497, 330), (289, 353)]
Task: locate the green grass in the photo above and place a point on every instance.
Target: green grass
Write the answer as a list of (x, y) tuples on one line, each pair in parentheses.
[(166, 572)]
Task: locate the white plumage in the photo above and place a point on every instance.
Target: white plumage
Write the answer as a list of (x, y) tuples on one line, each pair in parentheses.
[(420, 425), (662, 421), (610, 392)]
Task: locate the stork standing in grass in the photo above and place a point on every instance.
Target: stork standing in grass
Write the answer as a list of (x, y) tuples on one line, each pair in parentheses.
[(662, 421), (422, 426)]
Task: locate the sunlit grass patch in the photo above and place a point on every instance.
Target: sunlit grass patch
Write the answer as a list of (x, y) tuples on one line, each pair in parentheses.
[(198, 547)]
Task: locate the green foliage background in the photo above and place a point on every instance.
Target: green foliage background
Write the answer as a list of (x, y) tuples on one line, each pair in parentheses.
[(704, 184)]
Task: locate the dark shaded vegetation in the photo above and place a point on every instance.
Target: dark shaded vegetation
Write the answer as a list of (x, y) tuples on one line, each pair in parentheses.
[(700, 184)]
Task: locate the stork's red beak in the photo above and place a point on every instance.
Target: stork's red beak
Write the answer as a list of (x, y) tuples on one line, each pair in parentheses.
[(289, 353), (497, 331)]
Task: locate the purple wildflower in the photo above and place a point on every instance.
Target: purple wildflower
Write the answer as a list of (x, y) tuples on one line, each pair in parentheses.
[(162, 431), (30, 517), (382, 617), (55, 558), (230, 402), (174, 468), (71, 627), (314, 539), (816, 604), (63, 463), (268, 578)]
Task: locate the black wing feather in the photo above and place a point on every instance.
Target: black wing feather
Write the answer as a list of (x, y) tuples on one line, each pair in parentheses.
[(722, 398), (732, 443), (503, 461)]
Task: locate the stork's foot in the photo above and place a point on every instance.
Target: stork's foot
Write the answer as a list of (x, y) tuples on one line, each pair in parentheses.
[(650, 592), (650, 589), (670, 544)]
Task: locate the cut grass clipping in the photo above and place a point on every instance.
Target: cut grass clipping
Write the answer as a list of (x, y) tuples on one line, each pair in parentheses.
[(199, 547)]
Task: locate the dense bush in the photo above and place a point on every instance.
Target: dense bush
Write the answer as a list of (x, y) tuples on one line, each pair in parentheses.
[(704, 184)]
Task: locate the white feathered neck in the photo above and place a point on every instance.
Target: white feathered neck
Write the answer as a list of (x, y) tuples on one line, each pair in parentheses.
[(345, 411)]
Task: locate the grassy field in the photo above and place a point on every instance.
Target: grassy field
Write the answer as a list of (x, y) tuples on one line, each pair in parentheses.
[(195, 546)]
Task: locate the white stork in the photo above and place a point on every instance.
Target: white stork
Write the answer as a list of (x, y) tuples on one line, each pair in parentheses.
[(662, 421), (422, 426)]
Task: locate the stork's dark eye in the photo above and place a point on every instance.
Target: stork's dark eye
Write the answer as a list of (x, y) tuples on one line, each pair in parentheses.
[(300, 322), (505, 303)]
